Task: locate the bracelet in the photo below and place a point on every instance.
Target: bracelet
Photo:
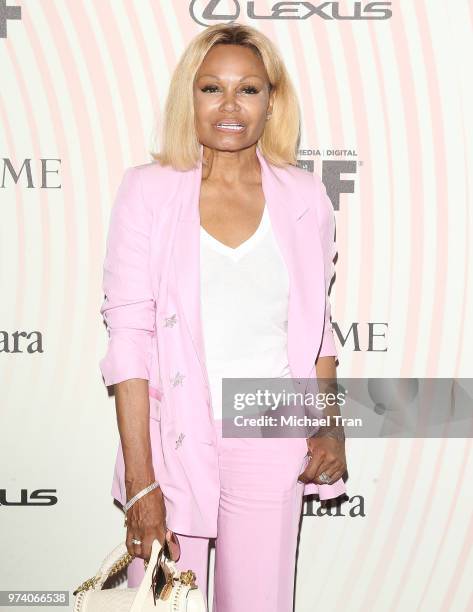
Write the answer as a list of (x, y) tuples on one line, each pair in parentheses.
[(140, 494)]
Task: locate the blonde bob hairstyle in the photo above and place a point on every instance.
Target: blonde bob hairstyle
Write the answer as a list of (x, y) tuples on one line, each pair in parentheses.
[(280, 139)]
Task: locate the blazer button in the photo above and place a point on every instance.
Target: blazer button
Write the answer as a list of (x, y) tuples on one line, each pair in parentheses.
[(177, 380), (170, 321)]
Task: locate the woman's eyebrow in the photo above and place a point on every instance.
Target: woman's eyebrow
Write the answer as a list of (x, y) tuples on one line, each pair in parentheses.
[(214, 76)]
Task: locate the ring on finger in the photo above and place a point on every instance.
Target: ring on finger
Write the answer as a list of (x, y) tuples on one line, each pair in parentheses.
[(135, 541)]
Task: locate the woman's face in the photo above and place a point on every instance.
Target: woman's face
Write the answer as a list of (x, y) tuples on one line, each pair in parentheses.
[(231, 87)]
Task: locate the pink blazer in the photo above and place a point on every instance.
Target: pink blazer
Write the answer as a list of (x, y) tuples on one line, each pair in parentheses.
[(152, 313)]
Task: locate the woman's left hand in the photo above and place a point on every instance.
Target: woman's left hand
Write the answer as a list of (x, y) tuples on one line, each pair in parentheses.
[(328, 455)]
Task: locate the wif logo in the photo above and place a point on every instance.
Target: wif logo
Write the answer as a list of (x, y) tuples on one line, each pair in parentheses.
[(6, 13), (206, 12)]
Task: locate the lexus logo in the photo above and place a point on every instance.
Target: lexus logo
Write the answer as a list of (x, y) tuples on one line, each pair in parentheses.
[(207, 12)]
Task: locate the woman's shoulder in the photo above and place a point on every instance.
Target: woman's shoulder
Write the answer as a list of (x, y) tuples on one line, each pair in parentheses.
[(154, 172), (155, 178), (303, 179), (153, 185), (308, 184)]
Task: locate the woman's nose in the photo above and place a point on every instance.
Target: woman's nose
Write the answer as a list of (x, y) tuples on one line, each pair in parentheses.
[(229, 101)]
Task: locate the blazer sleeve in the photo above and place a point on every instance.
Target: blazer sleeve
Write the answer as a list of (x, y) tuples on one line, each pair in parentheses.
[(129, 306), (326, 217)]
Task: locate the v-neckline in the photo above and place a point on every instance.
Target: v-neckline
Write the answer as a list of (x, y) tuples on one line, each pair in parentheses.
[(243, 248)]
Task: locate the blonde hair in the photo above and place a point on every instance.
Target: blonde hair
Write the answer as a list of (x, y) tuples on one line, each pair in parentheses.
[(280, 138)]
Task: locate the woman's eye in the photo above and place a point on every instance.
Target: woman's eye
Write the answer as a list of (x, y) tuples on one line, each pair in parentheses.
[(249, 89)]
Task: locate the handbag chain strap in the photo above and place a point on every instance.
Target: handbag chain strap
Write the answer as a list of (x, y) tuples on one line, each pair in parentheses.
[(119, 564), (187, 578)]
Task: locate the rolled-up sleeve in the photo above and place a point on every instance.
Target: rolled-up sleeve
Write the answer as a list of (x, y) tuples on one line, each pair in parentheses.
[(326, 217), (129, 307)]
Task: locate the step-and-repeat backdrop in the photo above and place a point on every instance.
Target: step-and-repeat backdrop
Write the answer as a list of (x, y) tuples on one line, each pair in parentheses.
[(386, 94)]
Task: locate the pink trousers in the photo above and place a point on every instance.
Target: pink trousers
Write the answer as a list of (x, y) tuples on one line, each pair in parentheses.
[(257, 530)]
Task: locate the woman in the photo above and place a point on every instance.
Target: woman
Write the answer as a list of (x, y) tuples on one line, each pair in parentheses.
[(203, 246)]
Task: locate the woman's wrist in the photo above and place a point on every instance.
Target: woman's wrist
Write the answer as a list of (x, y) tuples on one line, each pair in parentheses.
[(141, 493), (136, 482)]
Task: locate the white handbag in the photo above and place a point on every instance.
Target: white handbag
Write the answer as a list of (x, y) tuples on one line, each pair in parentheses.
[(179, 593)]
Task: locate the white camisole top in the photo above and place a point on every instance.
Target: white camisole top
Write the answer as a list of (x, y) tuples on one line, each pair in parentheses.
[(244, 301)]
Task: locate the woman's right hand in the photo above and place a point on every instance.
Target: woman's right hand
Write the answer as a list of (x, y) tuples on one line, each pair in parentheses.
[(146, 521)]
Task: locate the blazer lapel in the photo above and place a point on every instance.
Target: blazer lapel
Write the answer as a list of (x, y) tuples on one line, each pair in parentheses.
[(294, 225), (186, 260), (295, 228)]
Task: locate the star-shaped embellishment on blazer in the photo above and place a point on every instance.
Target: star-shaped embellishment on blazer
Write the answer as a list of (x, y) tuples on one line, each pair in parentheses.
[(177, 380), (170, 321), (179, 440)]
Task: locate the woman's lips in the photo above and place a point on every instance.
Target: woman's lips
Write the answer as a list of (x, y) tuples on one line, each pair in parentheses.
[(230, 130)]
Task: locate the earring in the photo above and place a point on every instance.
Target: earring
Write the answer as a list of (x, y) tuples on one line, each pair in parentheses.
[(268, 116)]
